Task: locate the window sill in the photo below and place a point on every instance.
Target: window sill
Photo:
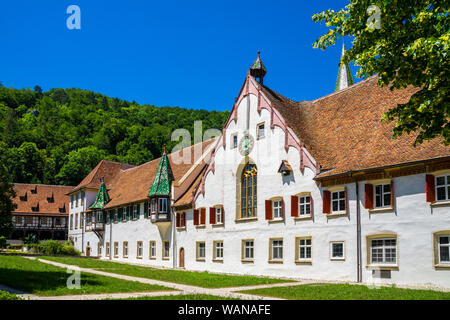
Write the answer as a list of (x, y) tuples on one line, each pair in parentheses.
[(381, 210), (382, 267), (200, 260), (140, 258), (303, 262), (337, 259), (442, 266), (300, 218), (217, 260), (201, 226), (246, 219), (440, 204), (337, 214), (181, 228), (218, 225), (275, 261), (276, 220), (247, 261), (153, 258)]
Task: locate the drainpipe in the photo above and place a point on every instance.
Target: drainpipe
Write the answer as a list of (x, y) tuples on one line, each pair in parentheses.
[(110, 234), (358, 233), (174, 240)]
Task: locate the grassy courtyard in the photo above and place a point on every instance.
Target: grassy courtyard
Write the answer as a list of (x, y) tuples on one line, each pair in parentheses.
[(323, 291), (45, 280), (200, 279)]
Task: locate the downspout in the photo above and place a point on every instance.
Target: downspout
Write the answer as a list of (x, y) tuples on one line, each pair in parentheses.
[(110, 234), (358, 232), (174, 240)]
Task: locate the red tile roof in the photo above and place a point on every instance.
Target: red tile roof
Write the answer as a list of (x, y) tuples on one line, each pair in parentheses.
[(26, 199)]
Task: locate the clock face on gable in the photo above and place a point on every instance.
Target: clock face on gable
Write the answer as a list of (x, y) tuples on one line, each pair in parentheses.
[(246, 144)]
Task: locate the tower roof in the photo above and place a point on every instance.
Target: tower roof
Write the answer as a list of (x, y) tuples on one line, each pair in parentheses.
[(345, 78), (258, 70), (102, 198), (163, 178)]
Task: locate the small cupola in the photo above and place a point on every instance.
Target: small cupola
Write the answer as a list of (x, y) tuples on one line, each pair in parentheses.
[(258, 70)]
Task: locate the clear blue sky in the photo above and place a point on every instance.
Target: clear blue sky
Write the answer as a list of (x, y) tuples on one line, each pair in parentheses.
[(192, 54)]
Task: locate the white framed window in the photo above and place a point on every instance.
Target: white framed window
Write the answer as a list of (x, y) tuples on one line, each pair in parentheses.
[(162, 205), (201, 250), (99, 249), (140, 249), (135, 211), (219, 215), (116, 249), (125, 249), (443, 188), (337, 249), (277, 249), (107, 249), (382, 195), (276, 209), (260, 131), (153, 205), (166, 249), (152, 250), (248, 249), (304, 249), (338, 201), (383, 251), (304, 203), (234, 141), (218, 250), (444, 249)]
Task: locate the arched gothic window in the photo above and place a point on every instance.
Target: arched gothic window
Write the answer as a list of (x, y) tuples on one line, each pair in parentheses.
[(248, 191)]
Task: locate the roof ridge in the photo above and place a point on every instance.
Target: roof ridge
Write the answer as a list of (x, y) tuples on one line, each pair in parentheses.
[(41, 184), (345, 89)]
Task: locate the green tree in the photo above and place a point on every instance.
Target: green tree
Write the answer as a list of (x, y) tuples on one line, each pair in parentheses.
[(406, 43), (7, 194)]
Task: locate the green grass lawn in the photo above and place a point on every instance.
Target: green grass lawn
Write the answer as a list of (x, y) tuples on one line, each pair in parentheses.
[(183, 297), (42, 279), (348, 292), (201, 279)]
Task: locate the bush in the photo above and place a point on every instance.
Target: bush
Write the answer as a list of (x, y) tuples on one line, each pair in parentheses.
[(8, 296), (2, 242), (52, 247)]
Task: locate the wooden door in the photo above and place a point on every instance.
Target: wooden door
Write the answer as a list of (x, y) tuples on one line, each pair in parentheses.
[(88, 251), (182, 258)]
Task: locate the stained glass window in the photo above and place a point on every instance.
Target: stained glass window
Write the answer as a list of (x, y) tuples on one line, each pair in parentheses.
[(248, 191)]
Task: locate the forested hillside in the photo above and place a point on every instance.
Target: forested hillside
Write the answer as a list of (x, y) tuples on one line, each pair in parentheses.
[(57, 137)]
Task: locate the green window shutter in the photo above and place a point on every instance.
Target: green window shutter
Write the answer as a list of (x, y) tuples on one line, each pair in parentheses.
[(145, 209), (128, 213), (107, 216), (138, 210)]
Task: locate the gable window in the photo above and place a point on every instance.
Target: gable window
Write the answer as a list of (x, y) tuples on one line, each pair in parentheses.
[(248, 250), (234, 141), (276, 250), (260, 131), (218, 250), (248, 191), (304, 249), (383, 251), (338, 201), (152, 249), (201, 251), (162, 205), (443, 188), (337, 250)]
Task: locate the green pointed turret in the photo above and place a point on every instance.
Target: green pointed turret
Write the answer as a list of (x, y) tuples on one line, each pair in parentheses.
[(258, 70), (345, 78), (102, 198), (163, 178)]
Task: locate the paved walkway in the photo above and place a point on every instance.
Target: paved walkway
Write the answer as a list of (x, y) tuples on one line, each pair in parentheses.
[(181, 288)]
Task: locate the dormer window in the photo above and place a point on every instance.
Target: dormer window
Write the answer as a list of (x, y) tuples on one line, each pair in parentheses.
[(34, 191), (36, 208), (24, 197), (50, 199)]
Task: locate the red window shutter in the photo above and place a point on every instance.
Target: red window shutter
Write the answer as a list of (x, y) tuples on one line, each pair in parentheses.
[(326, 202), (178, 220), (183, 219), (294, 206), (212, 215), (392, 194), (203, 216), (195, 217), (368, 196), (268, 209), (223, 214), (430, 188)]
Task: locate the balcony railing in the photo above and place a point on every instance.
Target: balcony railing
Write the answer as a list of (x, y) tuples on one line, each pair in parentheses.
[(160, 217), (95, 226)]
